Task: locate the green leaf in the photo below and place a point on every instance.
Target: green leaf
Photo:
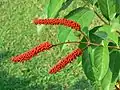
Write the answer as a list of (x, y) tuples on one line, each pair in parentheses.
[(112, 44), (83, 45), (64, 6), (119, 76), (101, 34), (94, 29), (111, 33), (87, 64), (101, 61), (115, 64), (119, 19), (118, 7), (119, 41), (107, 8), (94, 38), (80, 15), (79, 59), (54, 6), (106, 81), (65, 34), (116, 24)]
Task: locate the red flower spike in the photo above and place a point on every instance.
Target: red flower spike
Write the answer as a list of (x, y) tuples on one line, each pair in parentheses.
[(66, 60), (57, 21), (33, 52)]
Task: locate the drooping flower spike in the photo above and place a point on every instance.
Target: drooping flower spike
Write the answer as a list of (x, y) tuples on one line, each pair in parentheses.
[(58, 21), (31, 53), (66, 60)]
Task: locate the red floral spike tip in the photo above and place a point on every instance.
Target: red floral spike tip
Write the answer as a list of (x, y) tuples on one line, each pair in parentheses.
[(29, 54), (66, 60)]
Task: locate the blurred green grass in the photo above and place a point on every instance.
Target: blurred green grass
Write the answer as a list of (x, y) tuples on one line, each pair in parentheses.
[(18, 34)]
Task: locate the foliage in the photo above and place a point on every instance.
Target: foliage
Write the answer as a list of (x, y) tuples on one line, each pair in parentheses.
[(100, 44)]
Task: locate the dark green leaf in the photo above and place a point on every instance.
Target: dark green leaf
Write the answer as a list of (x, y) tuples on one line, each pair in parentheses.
[(64, 6), (54, 6), (111, 33), (95, 39), (119, 41), (107, 8), (111, 44), (83, 45), (115, 64), (118, 7), (87, 64), (94, 29)]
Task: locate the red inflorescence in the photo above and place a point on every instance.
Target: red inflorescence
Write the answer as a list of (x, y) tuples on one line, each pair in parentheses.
[(57, 21), (29, 54), (63, 62)]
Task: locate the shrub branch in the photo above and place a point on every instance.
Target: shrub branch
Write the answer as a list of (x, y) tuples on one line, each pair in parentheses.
[(87, 43)]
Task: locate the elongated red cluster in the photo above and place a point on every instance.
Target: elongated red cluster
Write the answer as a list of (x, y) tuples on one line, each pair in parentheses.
[(58, 21), (63, 62), (29, 54)]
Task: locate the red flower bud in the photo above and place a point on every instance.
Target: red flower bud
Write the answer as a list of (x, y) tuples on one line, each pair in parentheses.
[(66, 60), (57, 21), (29, 54)]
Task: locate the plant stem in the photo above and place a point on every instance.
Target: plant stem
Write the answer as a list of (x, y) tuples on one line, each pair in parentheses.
[(73, 42), (114, 47), (77, 42), (67, 43)]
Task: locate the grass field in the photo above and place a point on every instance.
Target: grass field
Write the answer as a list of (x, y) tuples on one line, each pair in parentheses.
[(18, 34)]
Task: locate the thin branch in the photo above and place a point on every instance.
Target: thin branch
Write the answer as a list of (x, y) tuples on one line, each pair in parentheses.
[(77, 42), (95, 44), (114, 47), (69, 43), (73, 42), (100, 18)]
